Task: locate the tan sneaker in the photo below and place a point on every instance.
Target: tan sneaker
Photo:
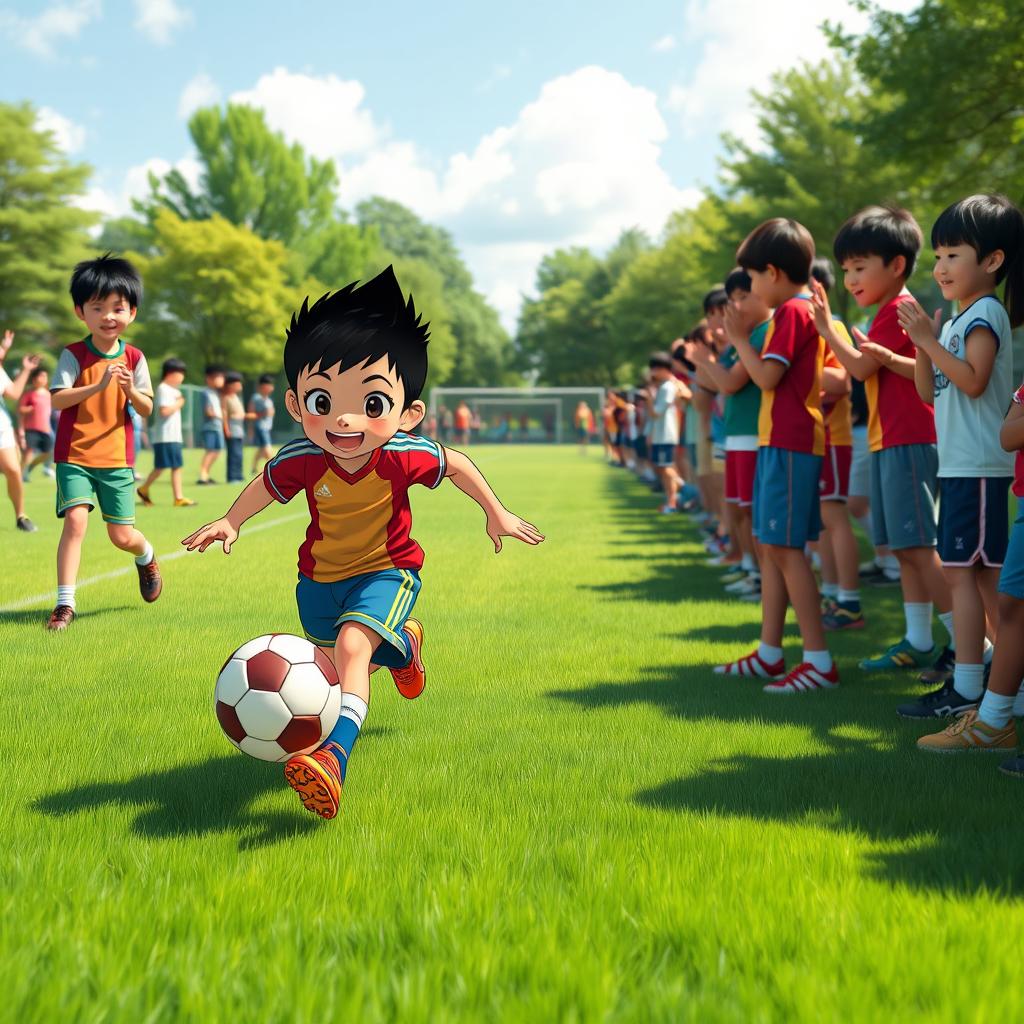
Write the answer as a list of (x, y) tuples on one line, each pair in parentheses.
[(183, 503), (968, 732)]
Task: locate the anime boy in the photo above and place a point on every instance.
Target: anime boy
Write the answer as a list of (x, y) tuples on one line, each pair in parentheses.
[(356, 363)]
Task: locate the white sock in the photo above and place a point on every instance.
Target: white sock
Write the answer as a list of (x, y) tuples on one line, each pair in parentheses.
[(848, 596), (747, 562), (146, 557), (821, 660), (66, 595), (919, 624), (946, 618), (829, 589), (969, 680), (889, 562), (354, 707), (769, 655), (987, 652), (995, 709), (1018, 704)]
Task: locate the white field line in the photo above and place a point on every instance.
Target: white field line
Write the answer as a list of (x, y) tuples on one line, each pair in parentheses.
[(49, 595)]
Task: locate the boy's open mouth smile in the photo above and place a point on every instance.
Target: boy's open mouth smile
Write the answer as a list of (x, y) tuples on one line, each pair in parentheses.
[(345, 442)]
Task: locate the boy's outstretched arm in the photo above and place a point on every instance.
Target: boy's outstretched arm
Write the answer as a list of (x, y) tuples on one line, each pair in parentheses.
[(500, 522), (255, 498)]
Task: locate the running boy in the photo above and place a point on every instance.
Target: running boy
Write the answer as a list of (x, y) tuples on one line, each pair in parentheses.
[(261, 407), (777, 255), (967, 372), (356, 363), (877, 249), (166, 433), (94, 381)]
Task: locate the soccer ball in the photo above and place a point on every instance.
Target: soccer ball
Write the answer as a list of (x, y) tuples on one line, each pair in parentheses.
[(277, 696)]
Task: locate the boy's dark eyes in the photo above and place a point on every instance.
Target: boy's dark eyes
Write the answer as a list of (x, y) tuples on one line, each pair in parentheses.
[(318, 402), (377, 404)]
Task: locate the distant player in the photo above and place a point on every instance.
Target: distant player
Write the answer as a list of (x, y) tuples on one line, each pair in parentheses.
[(234, 425), (356, 363), (168, 447), (94, 381), (10, 464), (261, 407), (212, 431), (34, 411)]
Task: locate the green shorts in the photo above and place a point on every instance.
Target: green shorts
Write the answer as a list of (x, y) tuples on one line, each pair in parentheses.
[(112, 489)]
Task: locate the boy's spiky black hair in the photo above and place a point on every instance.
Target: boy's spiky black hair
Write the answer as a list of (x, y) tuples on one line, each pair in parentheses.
[(738, 280), (988, 223), (106, 275), (357, 326), (781, 242), (886, 231)]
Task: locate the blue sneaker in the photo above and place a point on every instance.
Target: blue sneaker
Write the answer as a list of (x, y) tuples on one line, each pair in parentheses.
[(901, 655), (942, 703)]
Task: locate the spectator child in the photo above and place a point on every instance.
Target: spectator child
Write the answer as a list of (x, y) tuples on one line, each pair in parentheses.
[(35, 409), (261, 407), (665, 432), (234, 425), (212, 431), (166, 434), (10, 464)]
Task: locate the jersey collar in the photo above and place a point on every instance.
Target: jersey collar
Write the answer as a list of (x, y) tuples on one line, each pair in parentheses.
[(119, 351), (352, 478)]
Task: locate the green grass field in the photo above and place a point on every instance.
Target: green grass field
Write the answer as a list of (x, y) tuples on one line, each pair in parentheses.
[(576, 822)]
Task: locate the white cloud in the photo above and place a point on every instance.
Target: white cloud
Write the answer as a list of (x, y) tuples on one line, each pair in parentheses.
[(664, 44), (199, 91), (70, 137), (41, 33), (324, 114), (735, 58), (158, 20), (117, 201)]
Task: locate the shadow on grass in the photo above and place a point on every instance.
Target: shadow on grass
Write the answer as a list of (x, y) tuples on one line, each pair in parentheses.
[(194, 800), (37, 616)]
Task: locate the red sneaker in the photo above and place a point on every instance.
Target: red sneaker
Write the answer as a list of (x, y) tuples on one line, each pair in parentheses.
[(61, 617), (316, 778), (805, 678), (753, 666), (150, 581), (411, 679)]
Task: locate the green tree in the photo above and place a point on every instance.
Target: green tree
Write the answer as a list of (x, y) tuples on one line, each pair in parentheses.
[(216, 292), (42, 231), (250, 176), (952, 73)]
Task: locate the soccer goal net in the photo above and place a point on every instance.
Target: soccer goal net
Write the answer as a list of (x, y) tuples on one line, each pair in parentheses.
[(511, 415)]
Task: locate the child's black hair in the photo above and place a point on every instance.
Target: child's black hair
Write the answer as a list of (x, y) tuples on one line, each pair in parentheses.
[(886, 231), (987, 223), (660, 361), (34, 374), (172, 366), (213, 369), (106, 275), (738, 280), (357, 326), (232, 377), (715, 299), (822, 272), (782, 242), (266, 378)]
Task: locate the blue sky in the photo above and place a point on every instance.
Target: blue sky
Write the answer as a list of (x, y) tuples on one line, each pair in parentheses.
[(519, 128)]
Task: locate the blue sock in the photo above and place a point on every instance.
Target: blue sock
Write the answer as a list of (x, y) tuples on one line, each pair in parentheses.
[(346, 731)]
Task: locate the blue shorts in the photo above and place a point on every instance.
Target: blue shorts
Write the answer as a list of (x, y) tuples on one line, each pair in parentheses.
[(974, 521), (663, 455), (381, 600), (167, 455), (641, 448), (261, 435), (1011, 579), (904, 488), (787, 507), (213, 439)]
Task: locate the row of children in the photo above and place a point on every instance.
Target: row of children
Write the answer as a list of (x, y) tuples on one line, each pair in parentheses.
[(941, 447)]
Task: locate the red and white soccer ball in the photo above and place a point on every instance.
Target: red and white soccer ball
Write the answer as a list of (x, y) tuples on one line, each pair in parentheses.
[(277, 696)]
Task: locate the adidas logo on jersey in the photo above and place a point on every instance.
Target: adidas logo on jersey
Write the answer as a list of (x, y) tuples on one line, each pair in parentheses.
[(323, 491)]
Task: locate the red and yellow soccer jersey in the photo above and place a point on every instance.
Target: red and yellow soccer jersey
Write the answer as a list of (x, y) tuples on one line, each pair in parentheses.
[(838, 409), (359, 522), (791, 416), (97, 432), (896, 414)]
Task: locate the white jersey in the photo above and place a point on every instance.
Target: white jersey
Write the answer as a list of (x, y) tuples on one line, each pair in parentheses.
[(165, 429), (666, 419), (968, 428)]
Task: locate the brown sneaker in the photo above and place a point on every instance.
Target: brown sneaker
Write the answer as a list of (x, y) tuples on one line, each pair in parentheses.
[(144, 497), (61, 617), (150, 581)]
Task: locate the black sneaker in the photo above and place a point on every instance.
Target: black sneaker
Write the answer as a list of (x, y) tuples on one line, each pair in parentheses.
[(26, 525), (942, 671), (944, 702), (1014, 767)]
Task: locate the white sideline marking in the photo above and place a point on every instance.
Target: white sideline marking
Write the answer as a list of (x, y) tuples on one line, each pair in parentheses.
[(50, 595)]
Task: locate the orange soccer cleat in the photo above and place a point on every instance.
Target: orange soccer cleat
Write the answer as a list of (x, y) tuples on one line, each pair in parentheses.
[(316, 778), (411, 679)]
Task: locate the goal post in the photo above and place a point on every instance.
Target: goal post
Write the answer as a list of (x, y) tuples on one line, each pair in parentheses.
[(510, 415)]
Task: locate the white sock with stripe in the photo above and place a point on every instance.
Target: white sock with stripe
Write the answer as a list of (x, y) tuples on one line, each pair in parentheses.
[(66, 595)]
